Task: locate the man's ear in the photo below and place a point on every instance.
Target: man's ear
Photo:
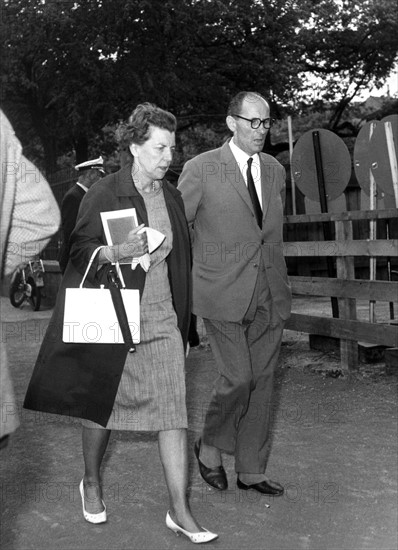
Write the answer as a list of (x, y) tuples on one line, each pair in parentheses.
[(231, 123), (131, 148)]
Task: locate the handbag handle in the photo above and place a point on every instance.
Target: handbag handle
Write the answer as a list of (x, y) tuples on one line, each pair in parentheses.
[(119, 271)]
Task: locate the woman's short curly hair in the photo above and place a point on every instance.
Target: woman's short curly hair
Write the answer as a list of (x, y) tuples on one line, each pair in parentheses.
[(136, 129)]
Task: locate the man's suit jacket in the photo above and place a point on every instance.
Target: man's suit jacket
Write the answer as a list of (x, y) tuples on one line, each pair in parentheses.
[(227, 242), (69, 209)]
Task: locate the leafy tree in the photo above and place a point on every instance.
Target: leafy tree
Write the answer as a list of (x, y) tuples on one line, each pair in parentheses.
[(351, 45), (73, 69), (53, 80)]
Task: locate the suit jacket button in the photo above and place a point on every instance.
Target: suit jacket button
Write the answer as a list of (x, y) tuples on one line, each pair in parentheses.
[(255, 265)]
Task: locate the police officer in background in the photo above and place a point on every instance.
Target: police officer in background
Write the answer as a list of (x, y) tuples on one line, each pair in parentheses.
[(89, 173)]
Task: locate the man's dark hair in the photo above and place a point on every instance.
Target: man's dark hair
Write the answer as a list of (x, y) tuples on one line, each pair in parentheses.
[(235, 105)]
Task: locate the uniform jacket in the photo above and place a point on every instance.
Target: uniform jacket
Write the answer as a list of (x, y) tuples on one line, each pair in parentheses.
[(69, 209), (82, 379), (227, 242)]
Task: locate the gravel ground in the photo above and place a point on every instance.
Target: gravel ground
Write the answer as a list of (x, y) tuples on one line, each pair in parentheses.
[(334, 450)]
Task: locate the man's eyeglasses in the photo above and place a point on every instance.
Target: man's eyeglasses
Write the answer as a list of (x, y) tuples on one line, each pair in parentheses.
[(256, 122)]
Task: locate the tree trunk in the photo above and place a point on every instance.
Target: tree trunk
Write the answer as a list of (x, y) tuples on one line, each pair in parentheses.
[(50, 154), (81, 148), (42, 123)]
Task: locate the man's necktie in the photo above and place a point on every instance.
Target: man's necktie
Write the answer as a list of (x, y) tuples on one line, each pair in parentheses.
[(253, 193)]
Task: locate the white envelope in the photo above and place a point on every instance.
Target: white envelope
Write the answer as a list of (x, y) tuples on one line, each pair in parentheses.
[(155, 239)]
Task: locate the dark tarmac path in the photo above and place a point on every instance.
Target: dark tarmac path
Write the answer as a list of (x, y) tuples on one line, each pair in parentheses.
[(334, 450)]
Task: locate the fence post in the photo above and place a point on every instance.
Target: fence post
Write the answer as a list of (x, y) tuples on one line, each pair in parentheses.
[(347, 306)]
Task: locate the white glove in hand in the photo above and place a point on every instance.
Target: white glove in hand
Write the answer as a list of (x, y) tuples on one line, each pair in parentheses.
[(144, 261), (155, 239)]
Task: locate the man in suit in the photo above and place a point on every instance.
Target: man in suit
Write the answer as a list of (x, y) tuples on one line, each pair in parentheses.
[(89, 173), (234, 207)]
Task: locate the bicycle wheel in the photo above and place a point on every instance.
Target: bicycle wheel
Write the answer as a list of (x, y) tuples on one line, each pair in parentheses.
[(35, 295), (17, 292)]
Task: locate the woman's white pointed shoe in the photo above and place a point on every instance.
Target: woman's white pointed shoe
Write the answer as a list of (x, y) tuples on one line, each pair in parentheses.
[(92, 518), (196, 538)]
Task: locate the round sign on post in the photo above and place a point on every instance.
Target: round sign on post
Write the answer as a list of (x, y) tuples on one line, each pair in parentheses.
[(362, 155), (383, 151), (336, 165)]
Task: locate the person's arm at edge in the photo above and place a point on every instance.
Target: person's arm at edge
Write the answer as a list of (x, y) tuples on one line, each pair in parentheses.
[(36, 216)]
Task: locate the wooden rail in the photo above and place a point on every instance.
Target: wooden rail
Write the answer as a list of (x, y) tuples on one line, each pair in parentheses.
[(345, 287)]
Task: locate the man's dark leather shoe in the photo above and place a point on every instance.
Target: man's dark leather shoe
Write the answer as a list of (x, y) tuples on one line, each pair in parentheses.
[(265, 487), (215, 477)]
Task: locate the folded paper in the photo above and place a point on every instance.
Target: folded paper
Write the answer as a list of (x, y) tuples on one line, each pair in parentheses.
[(155, 239)]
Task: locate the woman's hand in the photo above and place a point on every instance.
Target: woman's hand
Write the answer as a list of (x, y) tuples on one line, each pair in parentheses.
[(135, 246)]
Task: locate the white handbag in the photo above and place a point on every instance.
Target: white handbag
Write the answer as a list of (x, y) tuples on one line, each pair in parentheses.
[(90, 316)]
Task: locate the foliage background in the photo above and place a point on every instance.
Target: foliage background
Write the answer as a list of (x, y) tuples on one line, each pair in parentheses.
[(72, 70)]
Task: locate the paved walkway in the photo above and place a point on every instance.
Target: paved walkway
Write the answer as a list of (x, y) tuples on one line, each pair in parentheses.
[(335, 451)]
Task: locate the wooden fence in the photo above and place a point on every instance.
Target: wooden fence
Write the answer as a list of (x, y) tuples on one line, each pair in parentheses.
[(345, 287)]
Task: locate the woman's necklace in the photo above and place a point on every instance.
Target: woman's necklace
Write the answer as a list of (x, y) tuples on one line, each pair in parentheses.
[(156, 184)]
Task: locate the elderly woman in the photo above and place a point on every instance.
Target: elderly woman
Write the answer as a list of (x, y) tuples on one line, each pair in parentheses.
[(103, 384)]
